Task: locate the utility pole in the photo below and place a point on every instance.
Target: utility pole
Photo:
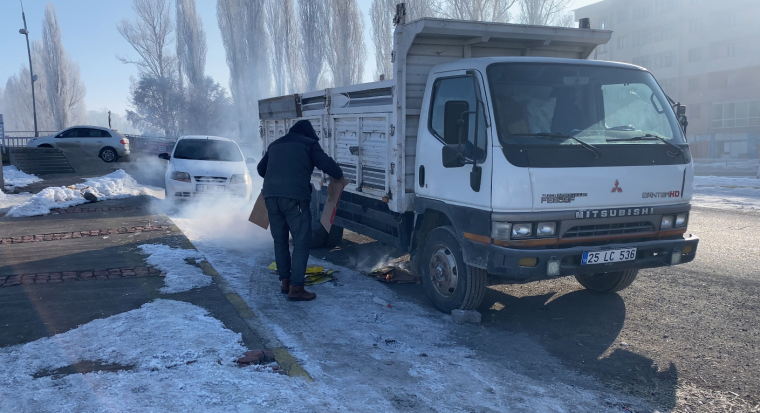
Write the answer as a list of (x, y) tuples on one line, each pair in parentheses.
[(25, 32)]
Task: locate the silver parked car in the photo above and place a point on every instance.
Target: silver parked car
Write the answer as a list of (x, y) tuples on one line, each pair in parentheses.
[(105, 143)]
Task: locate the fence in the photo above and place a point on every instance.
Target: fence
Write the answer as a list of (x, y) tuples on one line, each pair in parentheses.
[(17, 139)]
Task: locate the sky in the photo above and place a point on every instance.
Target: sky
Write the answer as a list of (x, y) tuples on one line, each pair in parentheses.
[(88, 30)]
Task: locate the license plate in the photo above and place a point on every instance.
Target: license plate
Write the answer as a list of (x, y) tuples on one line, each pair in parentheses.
[(209, 188), (608, 256)]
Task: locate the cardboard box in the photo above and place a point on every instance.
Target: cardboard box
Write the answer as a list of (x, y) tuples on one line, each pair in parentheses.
[(334, 191), (259, 215)]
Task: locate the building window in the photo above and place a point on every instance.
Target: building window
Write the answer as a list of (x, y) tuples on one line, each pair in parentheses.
[(602, 48), (623, 16), (643, 61), (640, 38), (733, 19), (733, 50), (665, 32), (668, 85), (622, 42), (663, 6), (663, 60), (640, 12), (602, 24), (695, 25), (731, 79), (736, 114), (695, 111), (694, 84), (695, 55)]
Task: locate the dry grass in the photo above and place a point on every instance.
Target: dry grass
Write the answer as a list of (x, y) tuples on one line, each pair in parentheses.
[(692, 399)]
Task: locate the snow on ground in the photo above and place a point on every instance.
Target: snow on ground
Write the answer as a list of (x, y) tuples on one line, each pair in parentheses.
[(15, 178), (403, 358), (114, 185), (727, 192), (180, 276), (181, 360), (10, 200)]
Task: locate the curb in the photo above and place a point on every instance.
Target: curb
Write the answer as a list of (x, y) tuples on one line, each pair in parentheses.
[(281, 355)]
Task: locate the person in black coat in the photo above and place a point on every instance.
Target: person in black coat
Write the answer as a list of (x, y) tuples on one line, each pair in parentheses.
[(286, 168)]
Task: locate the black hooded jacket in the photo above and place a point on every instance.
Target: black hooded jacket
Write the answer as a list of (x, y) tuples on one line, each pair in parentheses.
[(289, 162)]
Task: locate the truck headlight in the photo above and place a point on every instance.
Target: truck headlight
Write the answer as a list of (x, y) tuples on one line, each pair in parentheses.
[(546, 229), (239, 179), (523, 230), (667, 222), (501, 230), (681, 220), (180, 176)]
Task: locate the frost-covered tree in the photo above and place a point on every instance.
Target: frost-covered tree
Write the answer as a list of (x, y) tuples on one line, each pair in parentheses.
[(64, 89), (480, 10), (279, 25), (381, 18), (313, 16), (151, 37), (246, 45), (346, 49), (191, 45), (545, 12), (156, 104)]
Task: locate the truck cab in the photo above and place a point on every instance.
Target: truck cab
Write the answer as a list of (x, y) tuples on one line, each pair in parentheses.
[(547, 167)]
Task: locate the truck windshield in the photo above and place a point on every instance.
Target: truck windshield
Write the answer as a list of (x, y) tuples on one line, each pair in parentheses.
[(599, 105)]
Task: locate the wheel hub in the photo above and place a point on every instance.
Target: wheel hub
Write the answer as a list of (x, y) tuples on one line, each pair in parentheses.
[(444, 272)]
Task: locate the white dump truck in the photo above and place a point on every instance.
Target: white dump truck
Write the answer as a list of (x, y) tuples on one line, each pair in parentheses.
[(498, 152)]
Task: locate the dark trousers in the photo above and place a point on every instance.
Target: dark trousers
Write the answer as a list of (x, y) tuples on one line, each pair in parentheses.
[(288, 215)]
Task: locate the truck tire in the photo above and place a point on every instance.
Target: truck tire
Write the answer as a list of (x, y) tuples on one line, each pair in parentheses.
[(449, 282), (607, 282)]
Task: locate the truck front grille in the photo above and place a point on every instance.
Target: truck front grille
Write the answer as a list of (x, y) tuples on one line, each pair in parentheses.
[(584, 231)]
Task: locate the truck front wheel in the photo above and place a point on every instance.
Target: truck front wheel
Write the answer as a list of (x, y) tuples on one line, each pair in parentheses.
[(607, 282), (449, 282)]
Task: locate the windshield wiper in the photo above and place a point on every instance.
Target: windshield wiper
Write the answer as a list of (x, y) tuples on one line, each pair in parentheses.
[(557, 135), (650, 137)]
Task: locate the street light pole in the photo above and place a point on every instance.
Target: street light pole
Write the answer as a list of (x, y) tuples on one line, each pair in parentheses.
[(25, 32)]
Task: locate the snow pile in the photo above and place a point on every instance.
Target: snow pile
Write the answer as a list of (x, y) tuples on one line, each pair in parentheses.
[(181, 359), (15, 178), (114, 185), (180, 276), (727, 192)]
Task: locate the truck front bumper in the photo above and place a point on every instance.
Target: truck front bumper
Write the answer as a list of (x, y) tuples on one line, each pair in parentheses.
[(502, 261)]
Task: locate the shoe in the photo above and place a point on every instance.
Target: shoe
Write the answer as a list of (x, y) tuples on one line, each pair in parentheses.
[(297, 293), (285, 288)]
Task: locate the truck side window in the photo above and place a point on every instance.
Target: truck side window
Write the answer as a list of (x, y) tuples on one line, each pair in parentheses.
[(457, 88)]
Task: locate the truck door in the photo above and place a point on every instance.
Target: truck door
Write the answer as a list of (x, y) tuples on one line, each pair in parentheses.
[(460, 92)]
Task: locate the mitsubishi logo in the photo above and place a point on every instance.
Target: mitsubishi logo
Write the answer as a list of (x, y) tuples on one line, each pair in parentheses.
[(617, 187)]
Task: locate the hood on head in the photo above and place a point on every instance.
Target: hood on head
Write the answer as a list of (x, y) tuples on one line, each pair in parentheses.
[(304, 128)]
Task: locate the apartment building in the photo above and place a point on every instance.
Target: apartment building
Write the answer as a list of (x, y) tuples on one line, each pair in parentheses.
[(704, 53)]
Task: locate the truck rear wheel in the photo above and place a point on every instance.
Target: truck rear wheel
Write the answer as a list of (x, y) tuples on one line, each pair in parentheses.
[(449, 282), (607, 282)]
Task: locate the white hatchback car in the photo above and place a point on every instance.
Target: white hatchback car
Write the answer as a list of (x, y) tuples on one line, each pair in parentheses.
[(204, 165), (105, 143)]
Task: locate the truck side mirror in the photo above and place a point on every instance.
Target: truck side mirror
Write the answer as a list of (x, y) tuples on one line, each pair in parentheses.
[(164, 155), (451, 156), (681, 116), (452, 113)]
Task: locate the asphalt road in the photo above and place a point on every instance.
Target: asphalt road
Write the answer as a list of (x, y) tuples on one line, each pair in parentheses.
[(685, 337)]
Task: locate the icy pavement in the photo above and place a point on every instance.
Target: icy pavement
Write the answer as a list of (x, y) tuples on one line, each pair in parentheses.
[(402, 358), (114, 185), (180, 276), (16, 179), (727, 192)]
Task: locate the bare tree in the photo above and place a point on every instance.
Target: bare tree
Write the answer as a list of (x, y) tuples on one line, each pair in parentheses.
[(544, 12), (417, 9), (191, 44), (293, 49), (480, 10), (64, 88), (150, 36), (277, 25), (313, 15), (18, 97), (347, 52)]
